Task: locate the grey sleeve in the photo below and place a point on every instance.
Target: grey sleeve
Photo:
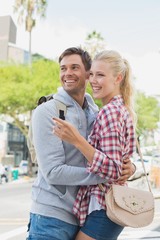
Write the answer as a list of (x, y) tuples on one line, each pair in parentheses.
[(50, 153)]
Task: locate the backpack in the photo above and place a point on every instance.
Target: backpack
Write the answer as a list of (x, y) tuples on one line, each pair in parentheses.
[(61, 109)]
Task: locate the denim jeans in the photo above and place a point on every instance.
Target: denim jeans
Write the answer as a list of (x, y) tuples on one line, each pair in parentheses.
[(48, 228), (100, 227)]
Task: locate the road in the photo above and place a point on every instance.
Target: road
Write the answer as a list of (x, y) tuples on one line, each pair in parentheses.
[(14, 214), (14, 209)]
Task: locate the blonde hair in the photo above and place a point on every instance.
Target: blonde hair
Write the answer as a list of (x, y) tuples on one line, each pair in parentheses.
[(121, 66)]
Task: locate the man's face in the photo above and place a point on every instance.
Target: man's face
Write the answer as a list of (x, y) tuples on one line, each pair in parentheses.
[(73, 75)]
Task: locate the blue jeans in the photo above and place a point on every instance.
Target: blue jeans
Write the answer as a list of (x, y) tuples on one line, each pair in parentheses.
[(48, 228), (100, 227)]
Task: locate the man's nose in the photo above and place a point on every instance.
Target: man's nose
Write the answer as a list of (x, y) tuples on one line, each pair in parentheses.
[(68, 71)]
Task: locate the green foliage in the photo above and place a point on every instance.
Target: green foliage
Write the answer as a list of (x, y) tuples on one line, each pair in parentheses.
[(94, 35), (21, 87), (37, 56), (147, 113)]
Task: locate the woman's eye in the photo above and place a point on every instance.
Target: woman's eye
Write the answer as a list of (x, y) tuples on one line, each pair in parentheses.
[(100, 75)]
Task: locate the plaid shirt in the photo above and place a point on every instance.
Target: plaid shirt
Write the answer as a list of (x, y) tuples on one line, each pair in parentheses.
[(114, 140)]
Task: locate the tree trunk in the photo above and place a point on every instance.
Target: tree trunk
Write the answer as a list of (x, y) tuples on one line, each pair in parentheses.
[(30, 51), (30, 169)]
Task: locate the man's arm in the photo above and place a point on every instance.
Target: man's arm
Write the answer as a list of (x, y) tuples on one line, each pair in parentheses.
[(50, 152)]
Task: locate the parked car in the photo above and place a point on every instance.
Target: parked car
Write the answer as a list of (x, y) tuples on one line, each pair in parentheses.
[(156, 157), (23, 167)]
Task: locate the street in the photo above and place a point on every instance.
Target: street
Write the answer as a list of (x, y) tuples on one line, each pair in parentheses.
[(14, 209), (14, 214)]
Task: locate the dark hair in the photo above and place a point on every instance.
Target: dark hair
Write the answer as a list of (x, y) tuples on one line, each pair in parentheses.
[(86, 59)]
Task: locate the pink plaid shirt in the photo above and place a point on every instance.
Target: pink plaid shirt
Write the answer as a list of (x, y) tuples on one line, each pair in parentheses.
[(114, 139)]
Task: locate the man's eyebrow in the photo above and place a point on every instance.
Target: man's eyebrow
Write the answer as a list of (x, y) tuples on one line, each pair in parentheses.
[(73, 64)]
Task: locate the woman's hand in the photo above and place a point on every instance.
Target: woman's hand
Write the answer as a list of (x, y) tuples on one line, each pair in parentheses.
[(65, 131), (69, 133), (128, 169)]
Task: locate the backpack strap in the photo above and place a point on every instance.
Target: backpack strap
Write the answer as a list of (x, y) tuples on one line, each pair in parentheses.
[(62, 109)]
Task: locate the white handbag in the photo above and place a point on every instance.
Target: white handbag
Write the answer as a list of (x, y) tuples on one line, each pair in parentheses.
[(128, 206)]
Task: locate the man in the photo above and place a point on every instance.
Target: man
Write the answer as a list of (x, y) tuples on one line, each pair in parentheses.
[(61, 166)]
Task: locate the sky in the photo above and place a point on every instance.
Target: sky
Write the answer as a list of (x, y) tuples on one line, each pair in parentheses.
[(131, 27)]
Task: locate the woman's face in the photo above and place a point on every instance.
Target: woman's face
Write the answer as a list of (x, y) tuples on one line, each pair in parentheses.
[(102, 81)]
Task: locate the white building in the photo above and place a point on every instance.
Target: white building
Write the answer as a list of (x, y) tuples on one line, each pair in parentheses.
[(8, 49)]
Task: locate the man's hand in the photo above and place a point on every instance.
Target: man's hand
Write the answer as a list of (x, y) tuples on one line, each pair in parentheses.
[(128, 169)]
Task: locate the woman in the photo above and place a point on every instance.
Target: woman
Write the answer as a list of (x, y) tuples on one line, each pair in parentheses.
[(111, 141)]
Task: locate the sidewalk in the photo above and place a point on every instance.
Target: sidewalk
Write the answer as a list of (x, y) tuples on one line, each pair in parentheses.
[(22, 179)]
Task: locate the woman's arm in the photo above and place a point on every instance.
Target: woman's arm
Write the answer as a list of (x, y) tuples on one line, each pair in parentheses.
[(107, 166), (69, 133)]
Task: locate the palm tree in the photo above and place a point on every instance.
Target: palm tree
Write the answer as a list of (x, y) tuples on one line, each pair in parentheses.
[(95, 35), (94, 43), (27, 10)]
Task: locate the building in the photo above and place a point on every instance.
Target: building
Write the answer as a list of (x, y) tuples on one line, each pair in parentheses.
[(8, 49), (13, 147)]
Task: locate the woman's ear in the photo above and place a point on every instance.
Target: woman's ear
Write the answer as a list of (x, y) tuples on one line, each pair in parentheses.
[(119, 79)]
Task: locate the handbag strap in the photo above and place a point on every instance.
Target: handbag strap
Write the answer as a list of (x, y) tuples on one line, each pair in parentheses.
[(141, 157), (101, 187)]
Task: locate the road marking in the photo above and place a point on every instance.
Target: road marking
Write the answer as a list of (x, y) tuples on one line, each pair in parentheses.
[(141, 233), (13, 221), (13, 233), (145, 234)]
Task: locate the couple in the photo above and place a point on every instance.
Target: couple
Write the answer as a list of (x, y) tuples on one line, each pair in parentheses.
[(61, 209)]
